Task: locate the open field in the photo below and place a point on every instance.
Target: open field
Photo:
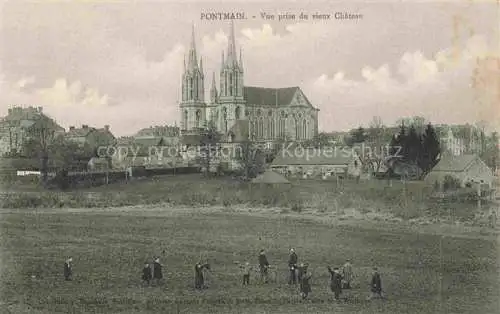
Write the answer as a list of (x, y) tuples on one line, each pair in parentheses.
[(422, 272)]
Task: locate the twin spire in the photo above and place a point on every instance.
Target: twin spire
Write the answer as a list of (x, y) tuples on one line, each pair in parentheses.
[(232, 58)]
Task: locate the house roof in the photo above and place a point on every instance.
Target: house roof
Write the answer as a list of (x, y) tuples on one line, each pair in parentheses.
[(454, 163), (279, 97), (191, 139), (311, 156), (80, 132), (270, 177), (147, 141)]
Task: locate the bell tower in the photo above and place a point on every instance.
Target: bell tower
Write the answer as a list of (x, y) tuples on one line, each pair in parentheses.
[(193, 106)]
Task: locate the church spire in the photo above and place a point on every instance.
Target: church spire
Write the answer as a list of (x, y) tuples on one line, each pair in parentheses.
[(201, 65), (192, 58), (232, 58)]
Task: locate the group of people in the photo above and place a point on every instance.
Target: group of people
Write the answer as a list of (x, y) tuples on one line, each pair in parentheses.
[(152, 273), (340, 278)]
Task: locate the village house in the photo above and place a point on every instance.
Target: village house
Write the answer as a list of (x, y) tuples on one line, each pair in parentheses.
[(467, 169), (317, 163), (16, 128), (91, 137)]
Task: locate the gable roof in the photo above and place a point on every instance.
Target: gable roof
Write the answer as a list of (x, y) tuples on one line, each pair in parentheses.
[(270, 177), (311, 156), (454, 163), (272, 97)]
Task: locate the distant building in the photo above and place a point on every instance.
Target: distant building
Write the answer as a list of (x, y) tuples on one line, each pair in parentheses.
[(18, 126), (465, 168), (317, 163), (90, 136)]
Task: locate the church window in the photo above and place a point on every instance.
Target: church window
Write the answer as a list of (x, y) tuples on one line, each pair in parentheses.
[(224, 115), (304, 129), (283, 114), (273, 135), (198, 118), (260, 132), (270, 113), (236, 86), (259, 113), (237, 113), (190, 89), (230, 84), (185, 119), (297, 129), (281, 127), (247, 113)]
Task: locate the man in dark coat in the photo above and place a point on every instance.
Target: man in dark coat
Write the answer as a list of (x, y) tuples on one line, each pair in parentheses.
[(68, 269), (146, 273), (305, 284), (263, 266), (292, 266), (335, 282), (199, 280), (157, 270), (376, 285)]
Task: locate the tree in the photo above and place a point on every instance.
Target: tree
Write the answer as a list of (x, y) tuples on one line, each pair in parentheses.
[(40, 138), (251, 159), (412, 146), (375, 136), (209, 141), (431, 148), (357, 136)]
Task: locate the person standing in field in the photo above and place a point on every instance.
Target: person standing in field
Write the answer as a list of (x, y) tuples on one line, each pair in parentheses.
[(347, 275), (246, 268), (292, 266), (305, 284), (157, 270), (68, 269), (301, 269), (263, 266), (146, 273), (335, 282), (376, 285), (199, 280)]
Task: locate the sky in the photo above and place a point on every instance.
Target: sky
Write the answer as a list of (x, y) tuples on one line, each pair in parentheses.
[(120, 62)]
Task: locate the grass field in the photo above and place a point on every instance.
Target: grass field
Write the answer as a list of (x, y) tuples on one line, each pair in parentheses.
[(421, 272), (406, 201)]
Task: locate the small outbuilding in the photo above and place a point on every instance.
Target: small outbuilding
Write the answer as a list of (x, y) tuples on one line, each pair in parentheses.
[(466, 169)]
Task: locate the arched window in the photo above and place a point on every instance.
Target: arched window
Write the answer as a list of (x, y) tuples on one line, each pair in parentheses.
[(237, 113), (224, 117), (230, 84), (304, 130), (268, 128), (185, 120), (190, 88), (297, 128), (198, 118), (273, 133), (261, 128)]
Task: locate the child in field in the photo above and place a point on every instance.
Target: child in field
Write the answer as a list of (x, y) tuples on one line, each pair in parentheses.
[(245, 271), (376, 285), (157, 270), (305, 285), (68, 269), (146, 273)]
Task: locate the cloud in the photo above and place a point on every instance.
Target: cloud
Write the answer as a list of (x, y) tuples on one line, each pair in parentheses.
[(439, 89)]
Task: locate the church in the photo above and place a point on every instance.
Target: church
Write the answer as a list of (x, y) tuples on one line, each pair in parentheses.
[(239, 112)]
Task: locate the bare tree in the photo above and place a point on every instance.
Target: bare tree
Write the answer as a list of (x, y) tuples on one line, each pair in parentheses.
[(40, 138), (209, 147)]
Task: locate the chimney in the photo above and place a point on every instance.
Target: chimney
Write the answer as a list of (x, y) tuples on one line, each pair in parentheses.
[(71, 128), (106, 127), (84, 126)]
